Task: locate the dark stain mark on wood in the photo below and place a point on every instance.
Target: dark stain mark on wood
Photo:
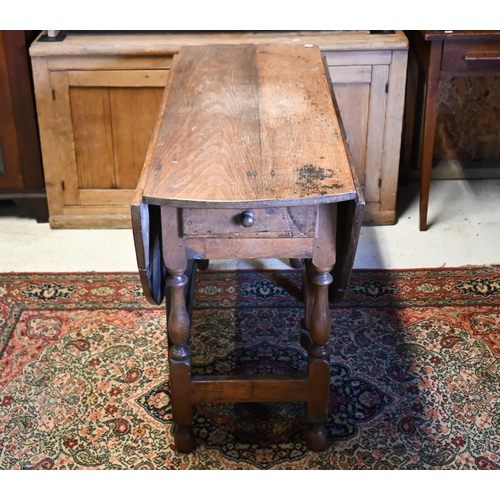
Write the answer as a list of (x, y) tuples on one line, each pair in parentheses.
[(311, 177), (312, 173)]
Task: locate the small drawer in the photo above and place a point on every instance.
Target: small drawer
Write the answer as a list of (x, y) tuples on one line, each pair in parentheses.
[(280, 222), (471, 57)]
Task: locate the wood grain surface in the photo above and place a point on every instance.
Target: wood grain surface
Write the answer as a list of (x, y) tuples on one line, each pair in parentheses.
[(248, 125), (152, 43)]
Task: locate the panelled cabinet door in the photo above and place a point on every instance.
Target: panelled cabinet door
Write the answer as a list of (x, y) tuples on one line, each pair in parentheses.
[(361, 92), (106, 119)]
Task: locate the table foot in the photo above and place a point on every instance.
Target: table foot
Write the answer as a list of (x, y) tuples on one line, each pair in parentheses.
[(316, 435), (184, 438)]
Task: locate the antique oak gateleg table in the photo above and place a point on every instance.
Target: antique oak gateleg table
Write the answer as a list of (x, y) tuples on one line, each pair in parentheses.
[(247, 161)]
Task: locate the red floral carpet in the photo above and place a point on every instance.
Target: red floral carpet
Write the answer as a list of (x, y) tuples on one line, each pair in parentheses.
[(415, 372)]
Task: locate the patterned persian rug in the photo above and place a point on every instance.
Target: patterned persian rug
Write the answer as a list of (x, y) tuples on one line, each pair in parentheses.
[(415, 381)]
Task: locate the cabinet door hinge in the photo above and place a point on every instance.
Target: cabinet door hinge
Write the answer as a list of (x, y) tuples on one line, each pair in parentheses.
[(53, 95), (63, 186), (387, 88), (380, 183)]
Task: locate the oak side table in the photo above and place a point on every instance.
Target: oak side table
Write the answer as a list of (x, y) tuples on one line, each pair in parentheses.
[(247, 160), (434, 54)]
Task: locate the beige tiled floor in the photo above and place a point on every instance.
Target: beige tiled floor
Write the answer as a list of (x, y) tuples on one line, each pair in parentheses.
[(464, 221)]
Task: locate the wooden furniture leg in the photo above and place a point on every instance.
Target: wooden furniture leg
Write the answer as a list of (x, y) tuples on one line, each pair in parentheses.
[(308, 301), (318, 322), (409, 118), (180, 362), (429, 129)]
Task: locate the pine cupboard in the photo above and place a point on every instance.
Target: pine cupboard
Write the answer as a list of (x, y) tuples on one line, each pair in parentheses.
[(98, 97)]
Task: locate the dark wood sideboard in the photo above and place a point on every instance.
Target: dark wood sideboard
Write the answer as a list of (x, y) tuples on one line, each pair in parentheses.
[(21, 172)]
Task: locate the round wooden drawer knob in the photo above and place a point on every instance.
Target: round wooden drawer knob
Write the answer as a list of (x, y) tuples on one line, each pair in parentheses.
[(247, 218)]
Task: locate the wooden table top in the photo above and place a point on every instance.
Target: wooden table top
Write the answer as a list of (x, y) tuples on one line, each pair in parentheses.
[(247, 125)]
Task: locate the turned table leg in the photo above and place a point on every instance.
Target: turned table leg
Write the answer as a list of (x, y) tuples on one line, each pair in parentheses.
[(180, 362), (318, 322)]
